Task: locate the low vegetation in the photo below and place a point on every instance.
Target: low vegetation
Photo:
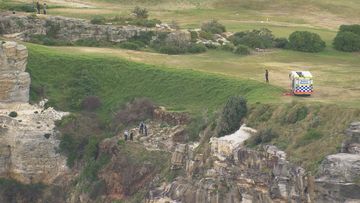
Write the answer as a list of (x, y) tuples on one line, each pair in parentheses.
[(13, 191), (348, 38), (231, 116), (307, 133), (306, 41), (262, 38), (213, 27)]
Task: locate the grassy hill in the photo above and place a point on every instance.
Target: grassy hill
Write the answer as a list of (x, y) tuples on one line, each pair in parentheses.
[(66, 77)]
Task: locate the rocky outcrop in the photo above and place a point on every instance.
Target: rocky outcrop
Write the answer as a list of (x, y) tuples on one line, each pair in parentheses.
[(171, 118), (28, 149), (339, 174), (14, 81), (67, 29)]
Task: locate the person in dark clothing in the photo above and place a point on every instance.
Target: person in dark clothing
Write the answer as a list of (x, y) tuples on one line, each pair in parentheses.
[(267, 76), (44, 8), (146, 130), (141, 128), (38, 7), (131, 136)]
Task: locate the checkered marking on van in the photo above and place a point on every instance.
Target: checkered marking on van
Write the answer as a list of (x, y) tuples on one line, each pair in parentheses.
[(304, 89)]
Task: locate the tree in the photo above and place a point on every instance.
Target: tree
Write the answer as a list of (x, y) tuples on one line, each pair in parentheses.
[(348, 38), (347, 41), (213, 27), (350, 28), (231, 116), (140, 12), (306, 41)]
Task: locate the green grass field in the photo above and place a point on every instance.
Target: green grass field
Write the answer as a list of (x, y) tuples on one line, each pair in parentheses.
[(67, 78)]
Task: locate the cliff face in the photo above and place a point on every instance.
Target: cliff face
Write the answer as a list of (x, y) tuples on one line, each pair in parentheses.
[(68, 29), (27, 140), (14, 81)]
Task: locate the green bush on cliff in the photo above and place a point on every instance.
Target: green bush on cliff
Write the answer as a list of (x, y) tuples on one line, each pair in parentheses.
[(231, 116)]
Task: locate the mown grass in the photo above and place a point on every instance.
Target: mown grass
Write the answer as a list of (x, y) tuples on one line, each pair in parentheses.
[(67, 77)]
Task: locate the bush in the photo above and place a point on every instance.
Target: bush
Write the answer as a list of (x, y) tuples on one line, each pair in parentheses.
[(347, 41), (262, 136), (206, 35), (306, 41), (242, 50), (228, 47), (296, 114), (196, 48), (213, 27), (140, 12), (92, 42), (135, 111), (194, 36), (350, 28), (231, 116), (310, 136), (29, 8), (90, 103), (144, 36), (281, 43), (13, 114), (262, 38), (97, 20), (130, 45), (172, 50)]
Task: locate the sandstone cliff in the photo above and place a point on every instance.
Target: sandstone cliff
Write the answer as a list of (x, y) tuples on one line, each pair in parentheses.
[(28, 141), (67, 29), (14, 81)]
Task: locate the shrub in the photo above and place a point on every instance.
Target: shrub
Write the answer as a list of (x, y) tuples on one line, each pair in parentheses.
[(281, 42), (228, 47), (231, 116), (174, 25), (213, 27), (310, 136), (171, 49), (197, 48), (296, 114), (242, 50), (130, 45), (350, 28), (140, 12), (262, 38), (205, 35), (306, 41), (347, 41), (90, 103), (194, 36), (97, 20), (144, 36), (52, 29), (13, 114), (29, 8), (262, 136), (135, 111)]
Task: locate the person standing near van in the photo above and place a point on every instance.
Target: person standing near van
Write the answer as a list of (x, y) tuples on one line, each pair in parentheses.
[(267, 76)]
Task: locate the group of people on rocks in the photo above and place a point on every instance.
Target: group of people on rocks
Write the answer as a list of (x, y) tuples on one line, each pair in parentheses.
[(143, 130), (38, 8)]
